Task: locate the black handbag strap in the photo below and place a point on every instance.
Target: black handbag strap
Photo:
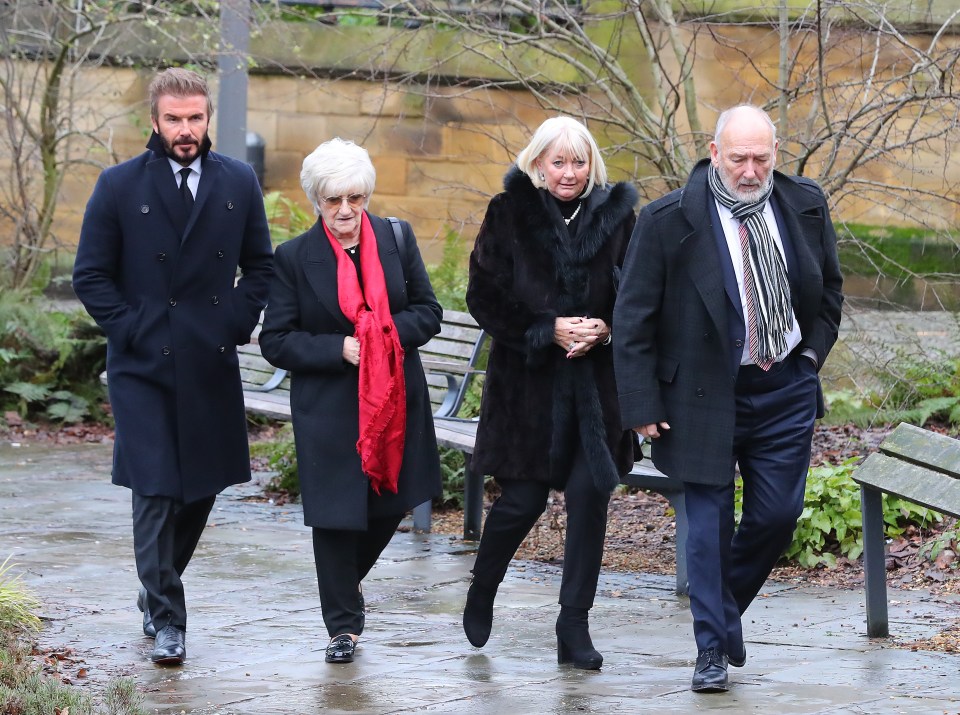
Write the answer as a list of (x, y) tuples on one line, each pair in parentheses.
[(401, 241)]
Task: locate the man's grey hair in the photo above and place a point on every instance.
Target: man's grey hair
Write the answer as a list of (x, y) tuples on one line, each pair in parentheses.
[(726, 114)]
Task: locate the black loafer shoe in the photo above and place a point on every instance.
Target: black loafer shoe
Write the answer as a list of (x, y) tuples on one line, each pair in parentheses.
[(171, 646), (738, 661), (341, 649), (148, 630), (710, 674)]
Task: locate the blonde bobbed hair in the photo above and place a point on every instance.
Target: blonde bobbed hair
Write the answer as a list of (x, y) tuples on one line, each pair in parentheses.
[(572, 139)]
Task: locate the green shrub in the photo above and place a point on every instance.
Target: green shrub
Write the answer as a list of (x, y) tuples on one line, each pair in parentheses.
[(831, 524), (50, 361), (24, 689), (285, 218), (449, 277), (281, 454)]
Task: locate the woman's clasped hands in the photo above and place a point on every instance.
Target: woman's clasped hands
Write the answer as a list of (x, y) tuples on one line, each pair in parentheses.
[(579, 335)]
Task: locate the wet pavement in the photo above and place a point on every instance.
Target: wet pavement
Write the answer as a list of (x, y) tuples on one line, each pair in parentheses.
[(255, 638)]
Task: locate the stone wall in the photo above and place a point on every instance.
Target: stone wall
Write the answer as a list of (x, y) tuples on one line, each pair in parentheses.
[(438, 158)]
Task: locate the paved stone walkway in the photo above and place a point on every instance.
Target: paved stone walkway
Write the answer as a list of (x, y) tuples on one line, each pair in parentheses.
[(255, 642)]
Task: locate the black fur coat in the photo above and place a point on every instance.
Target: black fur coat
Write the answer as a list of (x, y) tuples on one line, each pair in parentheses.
[(525, 270)]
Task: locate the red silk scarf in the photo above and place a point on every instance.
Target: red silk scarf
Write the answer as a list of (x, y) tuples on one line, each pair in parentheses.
[(383, 394)]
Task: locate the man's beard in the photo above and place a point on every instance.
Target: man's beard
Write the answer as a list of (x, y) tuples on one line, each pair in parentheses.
[(751, 196), (185, 160)]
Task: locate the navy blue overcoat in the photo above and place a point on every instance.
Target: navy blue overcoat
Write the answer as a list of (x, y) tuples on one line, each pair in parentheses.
[(163, 287)]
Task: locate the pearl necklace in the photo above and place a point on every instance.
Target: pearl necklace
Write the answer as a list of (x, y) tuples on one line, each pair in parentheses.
[(573, 215)]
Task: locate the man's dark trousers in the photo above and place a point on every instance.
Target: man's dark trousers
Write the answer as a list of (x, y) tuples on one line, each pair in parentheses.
[(165, 534), (775, 414)]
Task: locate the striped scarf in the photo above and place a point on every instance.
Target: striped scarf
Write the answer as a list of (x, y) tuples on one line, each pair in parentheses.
[(771, 293)]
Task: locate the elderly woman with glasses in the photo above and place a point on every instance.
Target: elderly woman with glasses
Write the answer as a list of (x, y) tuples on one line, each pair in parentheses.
[(349, 306)]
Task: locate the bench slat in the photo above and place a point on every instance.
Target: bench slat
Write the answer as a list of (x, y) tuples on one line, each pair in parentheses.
[(909, 481), (925, 448)]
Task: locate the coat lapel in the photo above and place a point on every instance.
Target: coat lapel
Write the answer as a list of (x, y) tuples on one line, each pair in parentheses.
[(165, 184), (320, 269), (208, 179), (699, 249), (801, 219)]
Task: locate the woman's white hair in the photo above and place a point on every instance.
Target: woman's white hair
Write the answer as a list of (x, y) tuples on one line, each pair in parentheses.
[(336, 168), (572, 139)]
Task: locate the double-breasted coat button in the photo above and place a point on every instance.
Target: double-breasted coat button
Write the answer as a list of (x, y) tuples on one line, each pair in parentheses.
[(738, 343), (161, 257), (700, 392), (173, 302), (229, 206), (166, 350), (219, 254), (215, 300), (706, 336), (221, 348), (144, 209)]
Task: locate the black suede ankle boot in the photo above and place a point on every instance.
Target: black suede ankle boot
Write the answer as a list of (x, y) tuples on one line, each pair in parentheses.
[(478, 613), (573, 640)]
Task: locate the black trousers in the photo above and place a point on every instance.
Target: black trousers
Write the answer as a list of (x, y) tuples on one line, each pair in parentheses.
[(343, 559), (517, 509), (165, 534)]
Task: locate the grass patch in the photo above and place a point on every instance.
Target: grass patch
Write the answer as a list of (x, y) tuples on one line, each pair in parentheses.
[(24, 688)]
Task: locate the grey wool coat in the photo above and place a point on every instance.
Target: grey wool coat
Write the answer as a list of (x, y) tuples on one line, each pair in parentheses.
[(680, 333), (163, 288), (525, 271), (303, 331)]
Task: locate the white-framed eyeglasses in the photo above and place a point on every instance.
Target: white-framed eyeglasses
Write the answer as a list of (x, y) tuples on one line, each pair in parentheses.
[(333, 202)]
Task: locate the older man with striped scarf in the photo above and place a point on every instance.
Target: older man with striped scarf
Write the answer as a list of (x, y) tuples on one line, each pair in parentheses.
[(729, 304)]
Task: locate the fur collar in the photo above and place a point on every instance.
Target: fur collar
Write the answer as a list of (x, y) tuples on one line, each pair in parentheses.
[(603, 210)]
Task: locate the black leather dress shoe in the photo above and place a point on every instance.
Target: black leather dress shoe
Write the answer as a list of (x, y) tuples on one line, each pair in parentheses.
[(341, 649), (738, 661), (170, 647), (710, 674), (148, 630)]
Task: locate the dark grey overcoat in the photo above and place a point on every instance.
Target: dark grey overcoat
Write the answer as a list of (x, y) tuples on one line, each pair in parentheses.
[(163, 288), (679, 334), (525, 270), (303, 331)]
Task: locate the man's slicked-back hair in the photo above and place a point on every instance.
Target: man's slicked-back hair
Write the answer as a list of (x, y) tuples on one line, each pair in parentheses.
[(178, 82)]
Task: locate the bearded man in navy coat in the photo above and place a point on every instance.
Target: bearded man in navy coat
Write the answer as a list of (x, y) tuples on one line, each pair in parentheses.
[(729, 304), (162, 238)]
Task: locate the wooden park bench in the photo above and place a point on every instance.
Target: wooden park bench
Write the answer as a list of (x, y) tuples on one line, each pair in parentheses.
[(914, 464), (451, 360)]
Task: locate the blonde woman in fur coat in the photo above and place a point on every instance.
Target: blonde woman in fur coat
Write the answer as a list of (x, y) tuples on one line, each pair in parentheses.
[(543, 277)]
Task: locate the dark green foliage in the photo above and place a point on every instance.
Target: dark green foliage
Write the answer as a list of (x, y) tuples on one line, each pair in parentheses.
[(897, 252), (50, 361), (831, 524), (910, 390), (449, 277), (281, 454), (451, 472)]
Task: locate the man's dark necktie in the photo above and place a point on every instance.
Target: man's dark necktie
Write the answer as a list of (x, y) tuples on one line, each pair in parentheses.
[(185, 191)]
